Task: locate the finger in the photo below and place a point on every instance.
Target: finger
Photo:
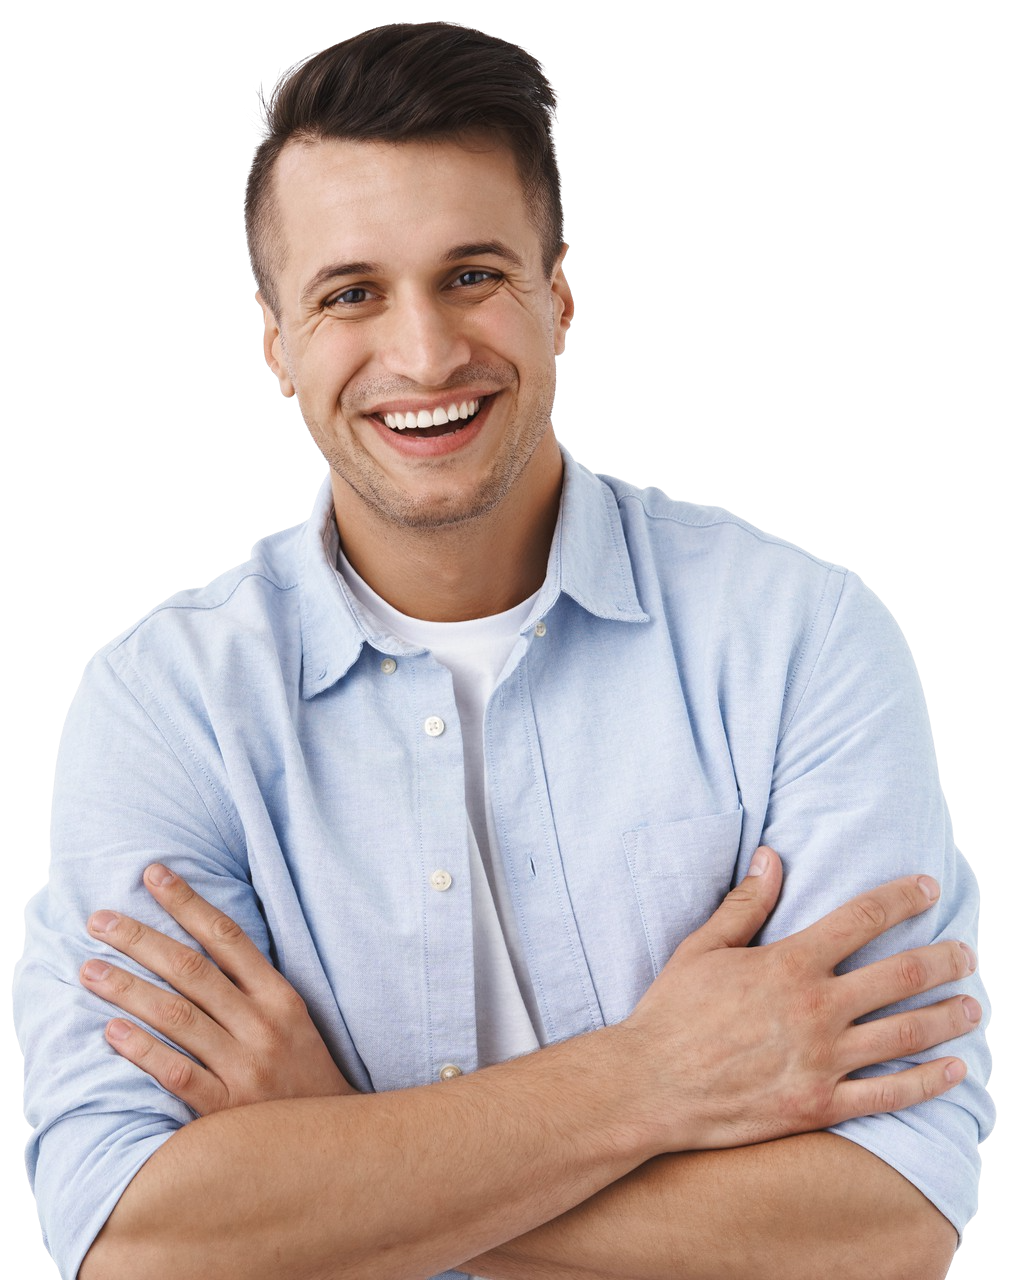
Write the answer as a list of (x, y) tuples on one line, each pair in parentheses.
[(896, 1090), (830, 940), (910, 973), (166, 1011), (904, 1034), (182, 967), (744, 910), (230, 947), (174, 1071)]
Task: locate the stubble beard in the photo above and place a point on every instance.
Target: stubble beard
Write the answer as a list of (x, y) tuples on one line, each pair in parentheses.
[(366, 478)]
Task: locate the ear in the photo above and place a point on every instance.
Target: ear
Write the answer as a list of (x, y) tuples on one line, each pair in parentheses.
[(273, 348), (561, 298)]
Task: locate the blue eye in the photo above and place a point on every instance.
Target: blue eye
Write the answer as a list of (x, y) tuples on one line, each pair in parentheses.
[(469, 278), (349, 297)]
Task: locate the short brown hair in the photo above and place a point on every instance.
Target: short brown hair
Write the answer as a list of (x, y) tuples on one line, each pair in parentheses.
[(402, 82)]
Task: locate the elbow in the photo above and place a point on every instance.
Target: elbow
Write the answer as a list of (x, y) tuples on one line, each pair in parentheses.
[(923, 1246)]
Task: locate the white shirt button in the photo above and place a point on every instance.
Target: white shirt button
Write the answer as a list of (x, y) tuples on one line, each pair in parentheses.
[(388, 666), (440, 880), (435, 725), (540, 629), (450, 1071)]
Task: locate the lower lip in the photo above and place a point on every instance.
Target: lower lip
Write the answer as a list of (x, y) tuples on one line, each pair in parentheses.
[(411, 445)]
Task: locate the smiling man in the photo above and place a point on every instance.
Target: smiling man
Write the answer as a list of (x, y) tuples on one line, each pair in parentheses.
[(474, 791), (422, 353)]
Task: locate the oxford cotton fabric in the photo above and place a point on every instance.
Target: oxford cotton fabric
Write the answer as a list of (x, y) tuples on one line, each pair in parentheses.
[(696, 688)]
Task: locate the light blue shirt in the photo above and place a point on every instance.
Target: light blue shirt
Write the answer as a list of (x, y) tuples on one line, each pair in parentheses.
[(692, 688)]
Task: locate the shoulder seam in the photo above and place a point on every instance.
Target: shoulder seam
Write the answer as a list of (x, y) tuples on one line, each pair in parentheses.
[(172, 604), (728, 518)]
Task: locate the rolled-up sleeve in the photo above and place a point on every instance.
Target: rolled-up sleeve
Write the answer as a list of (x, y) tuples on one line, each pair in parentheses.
[(856, 801), (123, 799)]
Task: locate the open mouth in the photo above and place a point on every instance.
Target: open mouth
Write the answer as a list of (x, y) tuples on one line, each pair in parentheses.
[(443, 420)]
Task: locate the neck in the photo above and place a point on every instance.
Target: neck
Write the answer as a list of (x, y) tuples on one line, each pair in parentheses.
[(470, 569)]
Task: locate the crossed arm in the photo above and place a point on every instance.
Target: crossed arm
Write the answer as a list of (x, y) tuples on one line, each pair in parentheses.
[(554, 1164)]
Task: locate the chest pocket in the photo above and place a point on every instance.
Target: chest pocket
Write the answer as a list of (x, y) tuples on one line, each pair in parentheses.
[(681, 871)]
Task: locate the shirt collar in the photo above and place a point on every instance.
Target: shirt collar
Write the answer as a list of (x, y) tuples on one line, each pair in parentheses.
[(589, 558), (588, 561)]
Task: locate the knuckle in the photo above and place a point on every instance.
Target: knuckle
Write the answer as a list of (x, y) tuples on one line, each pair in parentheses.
[(187, 963), (810, 1106), (869, 912), (912, 896), (121, 981), (739, 893), (289, 1002), (956, 961), (179, 1077), (129, 933), (740, 898), (224, 929), (182, 894), (262, 1071), (176, 1014), (908, 1036), (928, 1087), (141, 1048), (888, 1096), (912, 974), (794, 967), (274, 1038), (815, 1004)]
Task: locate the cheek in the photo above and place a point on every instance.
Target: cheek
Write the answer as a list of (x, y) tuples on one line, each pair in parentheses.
[(332, 359)]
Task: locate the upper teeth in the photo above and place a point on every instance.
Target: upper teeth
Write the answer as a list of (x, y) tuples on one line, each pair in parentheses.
[(432, 417)]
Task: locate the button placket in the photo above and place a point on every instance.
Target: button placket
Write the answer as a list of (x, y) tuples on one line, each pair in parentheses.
[(446, 923)]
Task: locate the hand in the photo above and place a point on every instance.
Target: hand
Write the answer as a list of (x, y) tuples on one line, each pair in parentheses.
[(245, 1024), (758, 1042)]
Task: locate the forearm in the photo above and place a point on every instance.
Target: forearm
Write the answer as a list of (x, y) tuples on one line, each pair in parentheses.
[(392, 1185), (409, 1183), (799, 1208)]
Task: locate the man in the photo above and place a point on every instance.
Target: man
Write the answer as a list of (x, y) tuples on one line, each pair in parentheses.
[(470, 757)]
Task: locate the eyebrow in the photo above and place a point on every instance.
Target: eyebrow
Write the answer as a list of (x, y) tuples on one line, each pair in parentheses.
[(472, 249), (481, 248), (334, 271)]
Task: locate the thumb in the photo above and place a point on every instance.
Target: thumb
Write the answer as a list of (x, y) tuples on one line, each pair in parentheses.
[(745, 908)]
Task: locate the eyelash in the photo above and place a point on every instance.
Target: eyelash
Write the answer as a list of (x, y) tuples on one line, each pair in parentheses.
[(336, 299), (486, 277)]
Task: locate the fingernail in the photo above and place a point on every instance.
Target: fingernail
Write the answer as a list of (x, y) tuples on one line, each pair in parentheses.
[(118, 1029), (159, 875), (95, 970), (954, 1072), (931, 889), (973, 1008), (103, 921), (969, 957), (759, 863)]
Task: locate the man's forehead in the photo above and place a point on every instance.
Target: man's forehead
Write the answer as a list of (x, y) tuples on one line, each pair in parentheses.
[(340, 167), (369, 199)]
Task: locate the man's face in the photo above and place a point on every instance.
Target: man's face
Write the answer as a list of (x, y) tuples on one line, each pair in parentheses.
[(417, 327)]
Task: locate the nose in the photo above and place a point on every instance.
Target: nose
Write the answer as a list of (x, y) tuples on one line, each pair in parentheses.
[(424, 340)]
